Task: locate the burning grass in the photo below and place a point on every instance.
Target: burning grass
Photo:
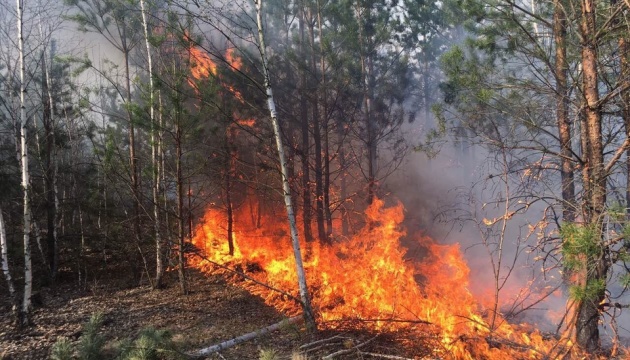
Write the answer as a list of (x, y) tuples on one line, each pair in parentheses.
[(366, 282)]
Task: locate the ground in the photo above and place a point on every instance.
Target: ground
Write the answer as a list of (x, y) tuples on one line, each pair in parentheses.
[(213, 312)]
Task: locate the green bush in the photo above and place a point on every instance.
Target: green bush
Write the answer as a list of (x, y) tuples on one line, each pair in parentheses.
[(151, 344)]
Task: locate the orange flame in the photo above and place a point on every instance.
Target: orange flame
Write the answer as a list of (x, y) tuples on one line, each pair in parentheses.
[(369, 279), (234, 61)]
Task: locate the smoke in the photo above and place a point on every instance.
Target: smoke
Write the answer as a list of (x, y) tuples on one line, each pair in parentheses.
[(456, 197)]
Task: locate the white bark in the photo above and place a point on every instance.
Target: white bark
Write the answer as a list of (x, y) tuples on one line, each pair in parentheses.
[(304, 295), (159, 267), (249, 336), (5, 257), (28, 275)]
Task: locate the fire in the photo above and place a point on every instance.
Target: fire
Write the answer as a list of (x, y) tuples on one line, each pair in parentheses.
[(368, 281), (235, 62), (201, 66)]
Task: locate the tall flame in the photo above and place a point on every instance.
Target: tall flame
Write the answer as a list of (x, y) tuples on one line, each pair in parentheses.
[(202, 67), (368, 279)]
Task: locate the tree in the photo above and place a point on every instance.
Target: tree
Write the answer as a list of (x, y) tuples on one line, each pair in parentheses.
[(155, 153), (503, 98), (5, 260), (306, 302), (26, 184), (111, 19)]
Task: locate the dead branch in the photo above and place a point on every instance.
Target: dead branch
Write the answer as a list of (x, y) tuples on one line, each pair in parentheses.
[(249, 336), (419, 321), (319, 342), (348, 351), (323, 343), (384, 356)]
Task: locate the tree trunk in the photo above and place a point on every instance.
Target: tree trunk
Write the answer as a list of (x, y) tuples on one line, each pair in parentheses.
[(155, 162), (50, 171), (317, 137), (366, 73), (596, 268), (5, 261), (306, 178), (562, 114), (304, 295), (180, 210), (325, 123), (133, 170), (624, 52), (228, 188), (28, 273)]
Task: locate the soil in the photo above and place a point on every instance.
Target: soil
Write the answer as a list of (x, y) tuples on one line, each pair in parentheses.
[(212, 312)]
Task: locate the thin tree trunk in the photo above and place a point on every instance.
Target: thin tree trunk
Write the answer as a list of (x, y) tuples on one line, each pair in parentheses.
[(228, 189), (304, 295), (306, 178), (28, 274), (366, 72), (5, 262), (317, 137), (133, 170), (180, 210), (343, 186), (155, 162), (562, 114), (50, 173), (596, 269), (325, 123), (624, 50)]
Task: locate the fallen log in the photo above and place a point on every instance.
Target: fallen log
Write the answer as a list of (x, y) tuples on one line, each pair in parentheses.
[(249, 336), (383, 356)]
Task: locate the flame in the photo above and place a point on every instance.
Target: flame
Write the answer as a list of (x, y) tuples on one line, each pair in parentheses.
[(246, 122), (235, 62), (202, 66), (368, 281)]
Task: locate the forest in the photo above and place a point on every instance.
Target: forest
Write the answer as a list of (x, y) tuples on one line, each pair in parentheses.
[(315, 179)]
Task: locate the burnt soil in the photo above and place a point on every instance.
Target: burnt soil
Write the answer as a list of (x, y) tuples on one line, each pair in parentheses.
[(212, 312)]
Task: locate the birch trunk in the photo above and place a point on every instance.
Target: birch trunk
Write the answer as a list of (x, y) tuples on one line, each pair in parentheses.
[(5, 259), (304, 295), (28, 275), (155, 162)]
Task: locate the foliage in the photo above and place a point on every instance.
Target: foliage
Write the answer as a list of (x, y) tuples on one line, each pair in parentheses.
[(91, 342), (579, 243), (62, 350), (589, 292), (151, 344), (268, 354)]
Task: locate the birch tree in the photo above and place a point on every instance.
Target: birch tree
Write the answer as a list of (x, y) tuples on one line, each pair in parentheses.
[(5, 260), (28, 272), (155, 154), (304, 295)]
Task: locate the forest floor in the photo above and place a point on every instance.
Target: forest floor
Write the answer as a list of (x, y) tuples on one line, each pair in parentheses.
[(213, 311)]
